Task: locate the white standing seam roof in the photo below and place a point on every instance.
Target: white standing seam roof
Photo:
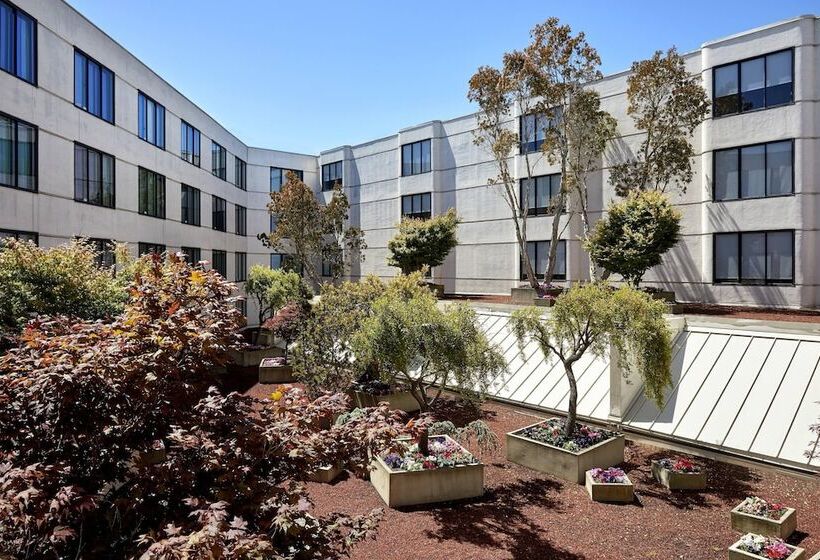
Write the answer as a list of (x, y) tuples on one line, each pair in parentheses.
[(745, 392)]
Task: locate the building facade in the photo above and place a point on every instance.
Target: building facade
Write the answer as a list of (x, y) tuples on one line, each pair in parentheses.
[(95, 144)]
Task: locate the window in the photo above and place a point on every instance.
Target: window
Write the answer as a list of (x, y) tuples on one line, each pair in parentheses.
[(754, 171), (219, 213), (219, 157), (151, 193), (93, 176), (219, 262), (189, 144), (241, 215), (192, 255), (18, 43), (241, 268), (146, 248), (287, 262), (279, 176), (190, 206), (151, 121), (241, 174), (18, 154), (756, 83), (539, 253), (533, 131), (18, 235), (754, 257), (105, 252), (93, 87), (416, 206), (415, 158), (327, 268), (332, 175), (242, 306), (539, 193)]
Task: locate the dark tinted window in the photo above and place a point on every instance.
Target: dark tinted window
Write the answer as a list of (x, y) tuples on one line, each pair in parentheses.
[(539, 194), (93, 87), (151, 121), (416, 206), (18, 154), (415, 158), (755, 171), (151, 193), (756, 83), (93, 176), (539, 251), (332, 175), (219, 213), (189, 143), (190, 206), (18, 43), (754, 257)]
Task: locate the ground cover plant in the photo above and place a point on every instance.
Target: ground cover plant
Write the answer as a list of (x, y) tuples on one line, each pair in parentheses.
[(760, 507), (680, 465), (764, 547)]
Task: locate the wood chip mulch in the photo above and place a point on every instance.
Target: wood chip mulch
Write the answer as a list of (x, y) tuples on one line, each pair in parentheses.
[(528, 515)]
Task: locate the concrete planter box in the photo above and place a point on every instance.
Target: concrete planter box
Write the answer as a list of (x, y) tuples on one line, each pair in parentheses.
[(253, 357), (781, 528), (663, 295), (437, 289), (560, 462), (326, 474), (270, 373), (409, 488), (623, 492), (736, 553), (529, 296), (399, 400), (677, 480)]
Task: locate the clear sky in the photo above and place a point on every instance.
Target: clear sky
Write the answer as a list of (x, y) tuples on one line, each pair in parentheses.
[(306, 76)]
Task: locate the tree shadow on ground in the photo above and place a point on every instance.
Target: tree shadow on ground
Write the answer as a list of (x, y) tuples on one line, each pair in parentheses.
[(498, 520), (726, 484), (459, 411)]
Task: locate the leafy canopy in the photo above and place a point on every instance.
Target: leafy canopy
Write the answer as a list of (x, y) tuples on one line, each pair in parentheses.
[(272, 289), (313, 232), (634, 235), (422, 243), (590, 317), (667, 104)]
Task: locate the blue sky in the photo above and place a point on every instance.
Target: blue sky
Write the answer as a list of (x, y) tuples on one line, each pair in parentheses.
[(308, 76)]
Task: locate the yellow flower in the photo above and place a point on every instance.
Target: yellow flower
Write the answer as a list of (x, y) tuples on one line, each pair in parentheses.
[(197, 277), (276, 395)]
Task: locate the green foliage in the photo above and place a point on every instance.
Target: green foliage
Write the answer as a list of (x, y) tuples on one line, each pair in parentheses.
[(591, 317), (475, 434), (423, 242), (415, 343), (634, 235), (63, 280), (667, 104), (273, 289)]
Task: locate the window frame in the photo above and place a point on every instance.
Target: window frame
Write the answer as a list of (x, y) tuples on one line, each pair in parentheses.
[(739, 93), (539, 210), (144, 97), (240, 178), (412, 146), (182, 207), (540, 275), (16, 233), (15, 151), (283, 176), (417, 215), (524, 147), (740, 171), (87, 167), (151, 248), (740, 282), (240, 214), (196, 140), (99, 245), (14, 54), (223, 255), (159, 215), (190, 253), (222, 171), (88, 60), (330, 184), (240, 272), (219, 206)]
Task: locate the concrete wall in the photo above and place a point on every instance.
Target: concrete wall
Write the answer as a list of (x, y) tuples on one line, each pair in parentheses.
[(486, 260)]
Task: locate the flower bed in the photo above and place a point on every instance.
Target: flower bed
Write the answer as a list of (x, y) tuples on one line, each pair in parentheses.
[(448, 472), (756, 515), (758, 546), (544, 447), (275, 370), (609, 485), (679, 474)]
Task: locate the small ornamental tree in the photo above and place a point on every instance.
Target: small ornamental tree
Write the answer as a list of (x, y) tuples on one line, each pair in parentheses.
[(667, 104), (591, 317), (273, 288), (62, 280), (313, 232), (634, 235), (287, 323), (415, 343), (422, 243), (112, 444)]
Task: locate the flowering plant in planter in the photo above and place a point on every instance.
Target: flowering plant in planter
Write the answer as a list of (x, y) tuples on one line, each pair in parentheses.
[(764, 547), (553, 432), (679, 465), (612, 475), (760, 507), (442, 452)]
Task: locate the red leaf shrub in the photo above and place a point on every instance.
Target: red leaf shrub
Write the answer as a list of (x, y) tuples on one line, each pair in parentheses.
[(287, 322), (112, 443)]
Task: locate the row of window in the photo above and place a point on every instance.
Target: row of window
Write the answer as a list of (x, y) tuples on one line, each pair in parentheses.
[(289, 262), (193, 255)]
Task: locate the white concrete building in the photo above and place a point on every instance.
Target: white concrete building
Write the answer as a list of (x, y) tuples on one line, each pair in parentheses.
[(95, 144)]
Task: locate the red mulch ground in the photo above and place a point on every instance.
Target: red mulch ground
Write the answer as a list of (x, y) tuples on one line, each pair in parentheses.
[(528, 515)]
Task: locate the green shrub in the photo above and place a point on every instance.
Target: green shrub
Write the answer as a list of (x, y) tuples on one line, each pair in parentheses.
[(422, 243)]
